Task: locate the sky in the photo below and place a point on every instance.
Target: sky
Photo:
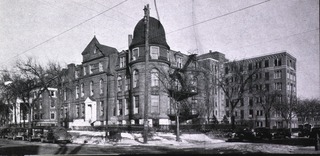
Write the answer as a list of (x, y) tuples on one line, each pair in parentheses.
[(59, 30)]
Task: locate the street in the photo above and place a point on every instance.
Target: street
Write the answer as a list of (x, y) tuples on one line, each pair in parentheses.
[(18, 147)]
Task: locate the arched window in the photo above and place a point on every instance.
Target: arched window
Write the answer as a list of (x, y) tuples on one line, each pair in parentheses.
[(154, 77), (101, 86), (135, 78), (119, 80), (91, 88)]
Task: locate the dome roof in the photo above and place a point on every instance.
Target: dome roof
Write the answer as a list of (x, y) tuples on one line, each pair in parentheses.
[(156, 33)]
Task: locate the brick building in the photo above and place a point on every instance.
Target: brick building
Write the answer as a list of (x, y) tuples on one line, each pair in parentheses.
[(109, 86)]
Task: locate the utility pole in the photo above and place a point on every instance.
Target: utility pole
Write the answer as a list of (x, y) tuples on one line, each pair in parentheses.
[(146, 74)]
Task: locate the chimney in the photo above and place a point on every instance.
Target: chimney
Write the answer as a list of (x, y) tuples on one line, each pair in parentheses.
[(210, 51), (129, 39)]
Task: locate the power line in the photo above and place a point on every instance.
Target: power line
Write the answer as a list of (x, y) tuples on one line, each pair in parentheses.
[(229, 13), (155, 5), (67, 30), (288, 36)]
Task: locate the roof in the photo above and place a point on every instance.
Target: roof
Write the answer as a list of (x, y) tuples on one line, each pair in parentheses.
[(156, 33), (106, 50)]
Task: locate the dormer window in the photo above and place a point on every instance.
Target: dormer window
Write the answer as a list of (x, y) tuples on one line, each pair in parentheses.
[(95, 50), (122, 62), (179, 62), (100, 67), (135, 53), (154, 52), (76, 74), (90, 69), (84, 71)]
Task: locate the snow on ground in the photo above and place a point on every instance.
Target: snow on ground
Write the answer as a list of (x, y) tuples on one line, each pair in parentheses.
[(161, 139)]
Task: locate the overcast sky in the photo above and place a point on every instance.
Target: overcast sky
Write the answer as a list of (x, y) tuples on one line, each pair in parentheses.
[(59, 30)]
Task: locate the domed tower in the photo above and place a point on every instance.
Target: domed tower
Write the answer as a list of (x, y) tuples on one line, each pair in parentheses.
[(158, 100)]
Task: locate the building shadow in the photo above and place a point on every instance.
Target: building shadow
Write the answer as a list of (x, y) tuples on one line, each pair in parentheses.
[(77, 149), (20, 150), (62, 149)]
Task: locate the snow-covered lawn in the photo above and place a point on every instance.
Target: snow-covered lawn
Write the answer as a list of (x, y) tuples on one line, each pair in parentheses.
[(161, 139)]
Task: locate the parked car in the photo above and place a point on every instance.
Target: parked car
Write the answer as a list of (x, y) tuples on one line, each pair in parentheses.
[(4, 132), (263, 133), (35, 134), (282, 133), (56, 134), (19, 133), (304, 130), (244, 134), (314, 132)]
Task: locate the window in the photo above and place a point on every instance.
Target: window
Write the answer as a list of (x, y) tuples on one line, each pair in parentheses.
[(83, 110), (126, 105), (154, 78), (266, 63), (227, 114), (100, 67), (250, 113), (65, 94), (77, 92), (154, 52), (40, 105), (94, 50), (250, 66), (82, 90), (277, 74), (135, 53), (52, 103), (135, 78), (278, 86), (77, 111), (250, 102), (267, 86), (266, 75), (277, 62), (127, 82), (91, 88), (119, 80), (36, 116), (122, 62), (52, 93), (168, 55), (76, 74), (84, 71), (136, 104), (242, 114), (90, 69), (155, 103), (241, 102), (52, 115), (101, 108), (120, 106), (101, 86), (179, 62)]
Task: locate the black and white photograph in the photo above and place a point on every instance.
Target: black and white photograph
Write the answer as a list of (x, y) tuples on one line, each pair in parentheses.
[(159, 77)]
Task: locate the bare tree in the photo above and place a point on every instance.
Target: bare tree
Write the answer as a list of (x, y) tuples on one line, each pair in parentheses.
[(308, 110), (180, 84), (235, 82), (36, 79), (287, 109), (267, 100)]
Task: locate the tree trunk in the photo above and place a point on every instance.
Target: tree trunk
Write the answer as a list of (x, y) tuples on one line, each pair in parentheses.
[(266, 116), (178, 129)]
